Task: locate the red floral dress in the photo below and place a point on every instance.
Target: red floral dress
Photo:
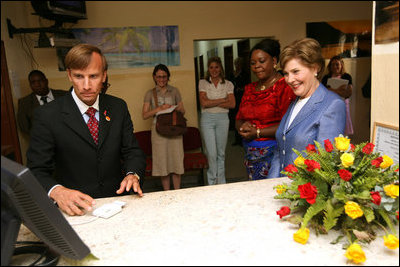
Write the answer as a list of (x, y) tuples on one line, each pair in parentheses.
[(263, 108)]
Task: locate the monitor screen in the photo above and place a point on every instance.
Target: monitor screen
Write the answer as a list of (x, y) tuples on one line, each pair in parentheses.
[(23, 200), (62, 11)]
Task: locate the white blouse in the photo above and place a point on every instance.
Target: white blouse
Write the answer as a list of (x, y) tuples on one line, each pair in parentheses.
[(297, 107), (221, 91)]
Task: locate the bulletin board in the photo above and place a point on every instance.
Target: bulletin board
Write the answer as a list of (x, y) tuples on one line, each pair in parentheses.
[(386, 140)]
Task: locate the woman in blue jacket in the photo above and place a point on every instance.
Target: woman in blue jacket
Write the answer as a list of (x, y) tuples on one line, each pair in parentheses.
[(316, 114)]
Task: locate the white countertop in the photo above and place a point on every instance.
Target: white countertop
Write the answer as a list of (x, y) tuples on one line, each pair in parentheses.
[(230, 224)]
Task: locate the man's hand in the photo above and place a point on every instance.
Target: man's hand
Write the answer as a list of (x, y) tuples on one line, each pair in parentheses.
[(72, 201), (131, 180)]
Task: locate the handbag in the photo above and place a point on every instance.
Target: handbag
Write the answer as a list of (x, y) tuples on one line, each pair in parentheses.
[(170, 124)]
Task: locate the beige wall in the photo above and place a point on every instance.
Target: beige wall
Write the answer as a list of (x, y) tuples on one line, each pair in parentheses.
[(385, 82), (285, 20)]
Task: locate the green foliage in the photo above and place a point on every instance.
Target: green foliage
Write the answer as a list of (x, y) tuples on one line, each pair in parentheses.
[(368, 213), (363, 178), (331, 215), (313, 210)]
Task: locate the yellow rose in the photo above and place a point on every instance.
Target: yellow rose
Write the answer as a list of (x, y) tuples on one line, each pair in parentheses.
[(391, 241), (347, 159), (281, 189), (387, 162), (299, 161), (355, 253), (391, 190), (342, 143), (353, 209), (302, 235)]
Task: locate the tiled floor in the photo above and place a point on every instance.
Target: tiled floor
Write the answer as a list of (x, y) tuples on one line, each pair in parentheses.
[(235, 170)]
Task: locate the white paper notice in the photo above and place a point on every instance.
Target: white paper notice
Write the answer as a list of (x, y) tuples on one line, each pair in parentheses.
[(335, 83), (168, 110)]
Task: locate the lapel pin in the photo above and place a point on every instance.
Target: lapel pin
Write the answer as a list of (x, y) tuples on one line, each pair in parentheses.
[(105, 114)]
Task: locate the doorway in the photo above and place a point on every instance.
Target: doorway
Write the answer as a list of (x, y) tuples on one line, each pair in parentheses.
[(228, 50)]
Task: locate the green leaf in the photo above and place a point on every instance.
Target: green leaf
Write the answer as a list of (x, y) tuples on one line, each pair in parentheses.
[(322, 187), (368, 213), (331, 215), (294, 219), (313, 210), (91, 256), (339, 194), (385, 216), (334, 242)]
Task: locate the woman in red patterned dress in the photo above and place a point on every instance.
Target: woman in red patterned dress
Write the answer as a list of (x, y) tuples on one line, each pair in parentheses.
[(263, 105)]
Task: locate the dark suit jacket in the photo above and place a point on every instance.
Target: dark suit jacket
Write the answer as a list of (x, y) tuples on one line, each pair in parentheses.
[(61, 142), (26, 106)]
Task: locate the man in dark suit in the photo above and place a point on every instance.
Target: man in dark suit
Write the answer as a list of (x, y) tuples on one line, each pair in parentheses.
[(90, 156), (41, 94)]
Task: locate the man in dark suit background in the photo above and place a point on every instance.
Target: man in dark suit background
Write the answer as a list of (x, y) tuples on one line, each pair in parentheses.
[(41, 94), (85, 167)]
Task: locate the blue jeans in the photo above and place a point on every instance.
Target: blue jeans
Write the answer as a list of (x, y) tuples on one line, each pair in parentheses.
[(215, 127)]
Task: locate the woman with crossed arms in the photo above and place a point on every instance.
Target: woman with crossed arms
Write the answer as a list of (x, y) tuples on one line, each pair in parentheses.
[(216, 98)]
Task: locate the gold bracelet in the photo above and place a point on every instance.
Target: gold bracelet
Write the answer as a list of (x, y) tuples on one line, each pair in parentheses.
[(258, 132)]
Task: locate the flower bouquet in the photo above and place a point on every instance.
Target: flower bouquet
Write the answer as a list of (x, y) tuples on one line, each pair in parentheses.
[(342, 187)]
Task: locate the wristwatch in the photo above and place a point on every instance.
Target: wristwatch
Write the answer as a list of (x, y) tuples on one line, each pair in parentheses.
[(258, 132)]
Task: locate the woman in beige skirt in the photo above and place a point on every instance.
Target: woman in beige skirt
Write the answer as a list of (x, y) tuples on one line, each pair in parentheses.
[(167, 152)]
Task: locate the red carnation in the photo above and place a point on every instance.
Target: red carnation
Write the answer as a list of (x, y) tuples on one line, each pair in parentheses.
[(308, 192), (352, 147), (397, 215), (376, 197), (291, 169), (311, 148), (368, 148), (312, 165), (328, 145), (283, 212), (377, 162), (344, 174)]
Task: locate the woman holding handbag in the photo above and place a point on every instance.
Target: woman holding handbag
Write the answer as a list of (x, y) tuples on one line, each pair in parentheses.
[(167, 152)]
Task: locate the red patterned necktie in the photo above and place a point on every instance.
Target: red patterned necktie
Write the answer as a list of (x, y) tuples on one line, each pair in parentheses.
[(93, 124)]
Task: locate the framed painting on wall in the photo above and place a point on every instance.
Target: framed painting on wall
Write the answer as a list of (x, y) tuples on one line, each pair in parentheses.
[(347, 39), (386, 22), (130, 47)]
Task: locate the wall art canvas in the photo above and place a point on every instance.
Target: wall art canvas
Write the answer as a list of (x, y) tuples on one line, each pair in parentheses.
[(345, 38), (131, 47), (386, 22)]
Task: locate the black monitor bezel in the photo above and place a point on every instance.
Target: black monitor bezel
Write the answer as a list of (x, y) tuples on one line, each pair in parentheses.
[(24, 199)]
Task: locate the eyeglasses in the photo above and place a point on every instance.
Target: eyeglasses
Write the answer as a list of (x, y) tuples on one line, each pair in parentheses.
[(161, 77)]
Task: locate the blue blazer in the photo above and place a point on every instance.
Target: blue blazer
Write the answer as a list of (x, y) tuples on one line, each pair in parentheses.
[(322, 117)]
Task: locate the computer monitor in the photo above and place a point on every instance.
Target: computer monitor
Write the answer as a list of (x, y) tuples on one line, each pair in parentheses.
[(61, 11), (23, 200)]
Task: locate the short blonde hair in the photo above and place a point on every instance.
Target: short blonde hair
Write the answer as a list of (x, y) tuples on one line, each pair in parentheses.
[(308, 51), (79, 56)]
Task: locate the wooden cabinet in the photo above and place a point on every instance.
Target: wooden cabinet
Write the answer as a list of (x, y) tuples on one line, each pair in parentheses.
[(9, 135)]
